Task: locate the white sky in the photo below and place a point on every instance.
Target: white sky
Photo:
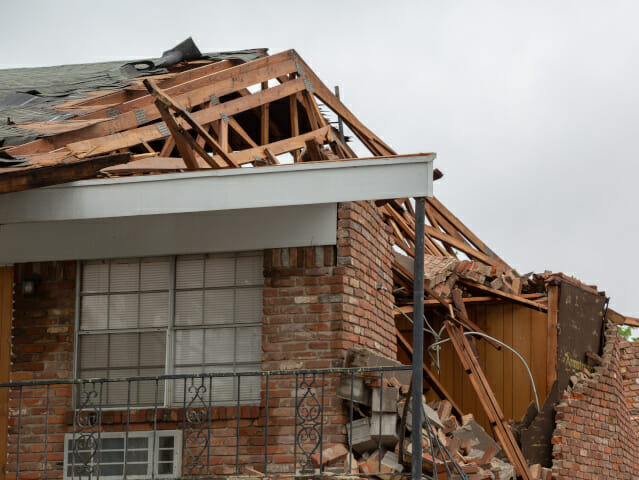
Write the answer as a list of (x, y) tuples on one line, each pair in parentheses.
[(530, 106)]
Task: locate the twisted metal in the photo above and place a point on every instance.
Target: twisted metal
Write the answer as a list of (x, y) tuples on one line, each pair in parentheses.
[(308, 422)]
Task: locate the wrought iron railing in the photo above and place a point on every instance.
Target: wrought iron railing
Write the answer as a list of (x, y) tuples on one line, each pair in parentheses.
[(209, 425)]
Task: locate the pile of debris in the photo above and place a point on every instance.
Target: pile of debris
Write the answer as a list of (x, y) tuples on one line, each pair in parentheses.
[(442, 273), (380, 441)]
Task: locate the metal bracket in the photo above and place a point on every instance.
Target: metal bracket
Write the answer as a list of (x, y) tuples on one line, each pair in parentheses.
[(224, 118), (214, 100), (163, 129), (140, 116), (113, 112), (308, 85)]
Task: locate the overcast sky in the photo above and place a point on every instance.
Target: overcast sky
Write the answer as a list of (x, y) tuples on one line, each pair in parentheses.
[(530, 106)]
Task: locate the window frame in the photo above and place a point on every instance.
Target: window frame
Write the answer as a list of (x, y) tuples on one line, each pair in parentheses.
[(153, 453), (171, 329)]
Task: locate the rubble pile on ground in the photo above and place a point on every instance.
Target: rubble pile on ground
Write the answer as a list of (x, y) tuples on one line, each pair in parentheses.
[(379, 438)]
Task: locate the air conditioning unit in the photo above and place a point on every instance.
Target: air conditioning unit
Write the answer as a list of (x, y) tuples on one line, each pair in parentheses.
[(146, 454)]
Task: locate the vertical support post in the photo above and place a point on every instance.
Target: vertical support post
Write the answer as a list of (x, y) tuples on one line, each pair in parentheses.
[(418, 339)]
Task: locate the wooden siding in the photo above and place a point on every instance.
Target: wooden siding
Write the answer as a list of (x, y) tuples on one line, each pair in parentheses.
[(523, 329)]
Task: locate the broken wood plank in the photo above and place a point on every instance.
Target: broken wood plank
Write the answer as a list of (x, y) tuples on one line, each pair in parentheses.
[(430, 376), (282, 146), (484, 392), (168, 102), (313, 149), (465, 231), (498, 293), (203, 117), (73, 169)]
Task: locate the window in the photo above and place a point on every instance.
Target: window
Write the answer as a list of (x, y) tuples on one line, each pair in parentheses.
[(173, 315), (148, 454)]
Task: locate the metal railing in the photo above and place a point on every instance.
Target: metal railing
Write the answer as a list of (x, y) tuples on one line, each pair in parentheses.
[(211, 425)]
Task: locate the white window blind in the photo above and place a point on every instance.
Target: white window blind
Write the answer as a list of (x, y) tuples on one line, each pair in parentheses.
[(173, 315)]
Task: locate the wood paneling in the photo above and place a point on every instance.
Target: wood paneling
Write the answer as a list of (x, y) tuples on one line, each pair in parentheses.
[(523, 329), (6, 311)]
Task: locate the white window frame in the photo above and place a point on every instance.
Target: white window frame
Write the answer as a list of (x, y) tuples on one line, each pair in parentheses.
[(153, 453), (171, 329)]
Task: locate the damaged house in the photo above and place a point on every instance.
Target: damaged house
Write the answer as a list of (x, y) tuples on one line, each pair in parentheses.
[(200, 278)]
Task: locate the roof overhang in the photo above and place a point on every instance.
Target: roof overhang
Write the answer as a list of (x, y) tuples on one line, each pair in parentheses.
[(225, 189), (221, 210)]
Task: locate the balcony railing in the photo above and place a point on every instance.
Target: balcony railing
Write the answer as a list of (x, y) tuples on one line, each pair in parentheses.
[(212, 425)]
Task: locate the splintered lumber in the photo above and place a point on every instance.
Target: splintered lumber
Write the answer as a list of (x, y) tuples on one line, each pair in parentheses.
[(465, 231), (190, 94), (151, 164), (205, 116), (368, 138), (487, 398), (164, 102), (70, 170), (282, 146), (509, 296)]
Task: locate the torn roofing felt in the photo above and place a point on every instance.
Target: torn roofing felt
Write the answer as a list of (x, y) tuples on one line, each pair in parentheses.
[(31, 94)]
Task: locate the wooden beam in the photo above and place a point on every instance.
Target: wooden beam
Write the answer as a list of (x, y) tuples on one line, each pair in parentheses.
[(131, 112), (264, 119), (72, 169), (282, 146), (224, 135), (465, 231), (430, 376), (237, 128), (430, 302), (480, 384), (177, 132), (295, 128), (498, 293), (203, 117), (313, 149), (272, 159), (378, 148), (167, 102)]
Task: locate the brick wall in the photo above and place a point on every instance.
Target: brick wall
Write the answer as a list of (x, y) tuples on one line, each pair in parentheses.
[(596, 435), (42, 349), (318, 302)]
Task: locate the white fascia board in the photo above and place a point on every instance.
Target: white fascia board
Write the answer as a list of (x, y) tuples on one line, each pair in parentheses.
[(227, 189)]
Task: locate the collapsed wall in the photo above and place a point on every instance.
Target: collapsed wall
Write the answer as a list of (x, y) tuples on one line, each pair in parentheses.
[(596, 434)]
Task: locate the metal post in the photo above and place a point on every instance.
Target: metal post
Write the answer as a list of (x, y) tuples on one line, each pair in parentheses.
[(418, 339)]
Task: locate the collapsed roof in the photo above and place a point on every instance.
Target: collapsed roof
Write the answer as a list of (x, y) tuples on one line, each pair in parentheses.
[(189, 111)]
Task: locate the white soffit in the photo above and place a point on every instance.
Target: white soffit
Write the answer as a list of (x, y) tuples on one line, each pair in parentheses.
[(223, 190), (236, 230)]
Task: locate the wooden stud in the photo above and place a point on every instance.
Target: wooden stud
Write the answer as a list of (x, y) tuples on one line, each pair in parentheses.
[(264, 119), (313, 149), (295, 128)]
